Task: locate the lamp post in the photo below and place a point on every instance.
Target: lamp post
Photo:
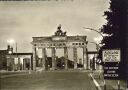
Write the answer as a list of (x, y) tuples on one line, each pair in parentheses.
[(95, 31), (96, 39), (10, 51), (9, 60), (94, 57), (97, 45), (11, 42)]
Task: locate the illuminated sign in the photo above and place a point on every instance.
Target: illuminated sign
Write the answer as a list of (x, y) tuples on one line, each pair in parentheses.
[(111, 55)]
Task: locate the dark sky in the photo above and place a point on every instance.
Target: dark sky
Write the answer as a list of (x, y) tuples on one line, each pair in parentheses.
[(23, 20)]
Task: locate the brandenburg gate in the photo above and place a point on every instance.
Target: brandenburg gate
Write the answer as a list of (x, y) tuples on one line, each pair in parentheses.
[(60, 40)]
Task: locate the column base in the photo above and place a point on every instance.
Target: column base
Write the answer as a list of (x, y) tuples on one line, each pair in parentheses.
[(66, 68), (53, 68), (43, 69), (75, 67)]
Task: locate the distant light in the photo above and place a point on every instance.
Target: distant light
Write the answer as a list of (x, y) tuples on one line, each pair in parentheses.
[(98, 39), (107, 35), (11, 41), (88, 30), (101, 44), (10, 52), (91, 56)]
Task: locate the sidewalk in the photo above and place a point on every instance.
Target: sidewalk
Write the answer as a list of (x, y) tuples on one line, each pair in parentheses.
[(98, 79)]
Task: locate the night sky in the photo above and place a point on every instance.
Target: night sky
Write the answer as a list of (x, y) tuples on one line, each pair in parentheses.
[(23, 20)]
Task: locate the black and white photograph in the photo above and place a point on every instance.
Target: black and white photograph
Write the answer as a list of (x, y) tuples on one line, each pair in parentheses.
[(63, 44)]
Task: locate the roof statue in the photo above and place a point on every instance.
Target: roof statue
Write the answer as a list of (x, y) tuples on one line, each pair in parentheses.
[(59, 27), (59, 32)]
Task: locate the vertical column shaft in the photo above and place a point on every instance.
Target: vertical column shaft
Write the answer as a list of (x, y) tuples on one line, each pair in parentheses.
[(88, 61), (24, 64), (53, 59), (30, 64), (18, 63), (7, 63), (94, 62), (66, 57), (34, 58), (43, 58), (85, 61), (13, 64), (75, 57)]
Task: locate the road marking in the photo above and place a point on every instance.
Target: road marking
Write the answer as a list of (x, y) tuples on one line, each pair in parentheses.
[(95, 82)]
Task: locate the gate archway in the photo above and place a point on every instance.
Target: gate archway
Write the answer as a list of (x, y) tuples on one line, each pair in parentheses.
[(59, 40)]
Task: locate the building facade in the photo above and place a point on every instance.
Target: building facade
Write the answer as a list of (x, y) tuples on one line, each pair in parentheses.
[(19, 61), (59, 40), (15, 61), (3, 58)]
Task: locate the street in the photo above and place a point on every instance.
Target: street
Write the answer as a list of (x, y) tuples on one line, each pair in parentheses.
[(56, 80)]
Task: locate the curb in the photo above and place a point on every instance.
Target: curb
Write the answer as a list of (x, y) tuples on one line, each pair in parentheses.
[(95, 82)]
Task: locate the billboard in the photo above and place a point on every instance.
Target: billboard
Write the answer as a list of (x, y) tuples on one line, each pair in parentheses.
[(112, 55)]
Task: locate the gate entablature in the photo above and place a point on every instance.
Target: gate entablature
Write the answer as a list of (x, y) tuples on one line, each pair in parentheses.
[(68, 41), (61, 40)]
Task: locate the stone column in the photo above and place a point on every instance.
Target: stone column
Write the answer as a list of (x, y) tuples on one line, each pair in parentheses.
[(18, 63), (75, 57), (34, 58), (43, 58), (8, 62), (53, 59), (85, 61), (12, 63), (30, 64), (66, 57), (88, 61), (24, 64)]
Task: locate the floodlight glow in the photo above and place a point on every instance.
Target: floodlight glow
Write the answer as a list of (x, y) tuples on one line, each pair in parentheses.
[(91, 56), (98, 39), (107, 35), (88, 30), (11, 41), (10, 52)]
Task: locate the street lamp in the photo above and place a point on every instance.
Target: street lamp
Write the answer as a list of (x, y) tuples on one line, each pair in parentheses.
[(97, 39), (11, 42), (95, 31), (94, 57), (97, 45)]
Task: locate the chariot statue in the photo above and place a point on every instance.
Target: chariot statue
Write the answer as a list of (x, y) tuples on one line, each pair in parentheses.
[(59, 32)]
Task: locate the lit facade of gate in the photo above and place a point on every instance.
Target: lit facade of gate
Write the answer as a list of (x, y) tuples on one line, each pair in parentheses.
[(60, 40)]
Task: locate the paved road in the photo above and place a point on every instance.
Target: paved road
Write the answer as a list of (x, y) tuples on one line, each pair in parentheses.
[(49, 81)]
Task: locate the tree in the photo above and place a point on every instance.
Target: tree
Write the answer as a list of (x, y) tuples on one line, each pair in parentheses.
[(116, 26)]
